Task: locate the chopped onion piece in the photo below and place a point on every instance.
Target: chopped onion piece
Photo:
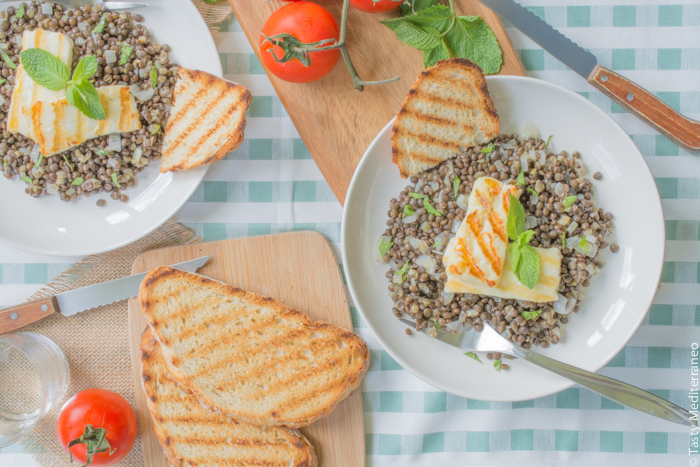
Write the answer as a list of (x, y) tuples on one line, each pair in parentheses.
[(83, 26), (564, 220), (573, 226), (24, 150), (472, 313), (393, 265), (530, 222), (110, 56), (462, 201), (426, 262), (529, 131), (557, 332), (80, 41), (561, 305), (34, 154), (144, 72), (439, 242), (450, 167), (424, 288), (455, 225), (455, 327), (498, 164), (47, 9), (70, 192), (508, 145), (397, 278), (559, 189), (523, 162), (608, 237), (115, 142), (531, 154), (447, 181), (111, 162), (140, 94), (418, 186), (51, 189), (2, 100), (447, 297), (138, 152), (543, 157), (434, 186), (591, 269)]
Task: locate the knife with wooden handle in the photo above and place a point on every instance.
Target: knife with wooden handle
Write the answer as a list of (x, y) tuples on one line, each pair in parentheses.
[(640, 102), (82, 299)]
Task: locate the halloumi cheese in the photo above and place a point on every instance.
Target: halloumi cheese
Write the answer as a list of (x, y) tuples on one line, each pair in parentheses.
[(48, 119), (477, 252), (57, 126), (509, 287), (26, 91)]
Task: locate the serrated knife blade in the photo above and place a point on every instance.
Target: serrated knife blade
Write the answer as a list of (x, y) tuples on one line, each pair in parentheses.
[(82, 299)]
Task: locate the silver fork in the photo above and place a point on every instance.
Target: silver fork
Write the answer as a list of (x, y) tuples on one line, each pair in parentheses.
[(79, 3), (489, 340)]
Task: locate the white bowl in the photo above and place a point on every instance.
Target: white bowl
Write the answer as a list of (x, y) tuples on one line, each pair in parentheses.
[(617, 299)]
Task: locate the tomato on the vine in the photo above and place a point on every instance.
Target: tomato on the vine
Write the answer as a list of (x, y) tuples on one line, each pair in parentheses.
[(97, 427), (302, 22), (376, 6)]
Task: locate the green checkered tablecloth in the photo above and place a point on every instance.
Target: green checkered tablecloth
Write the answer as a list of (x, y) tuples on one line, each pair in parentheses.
[(271, 184)]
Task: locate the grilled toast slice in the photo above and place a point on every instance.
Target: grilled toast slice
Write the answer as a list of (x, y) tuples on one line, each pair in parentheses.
[(248, 356), (447, 110), (206, 121), (192, 435)]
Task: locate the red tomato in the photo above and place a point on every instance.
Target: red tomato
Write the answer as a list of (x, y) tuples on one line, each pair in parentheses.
[(376, 6), (307, 22), (90, 414)]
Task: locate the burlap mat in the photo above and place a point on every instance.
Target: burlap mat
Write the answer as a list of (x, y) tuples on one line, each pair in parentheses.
[(96, 343), (214, 13)]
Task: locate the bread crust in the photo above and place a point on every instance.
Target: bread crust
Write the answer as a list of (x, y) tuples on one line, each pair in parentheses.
[(271, 418)]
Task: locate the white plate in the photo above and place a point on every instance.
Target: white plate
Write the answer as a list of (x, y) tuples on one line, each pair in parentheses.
[(50, 226), (618, 298)]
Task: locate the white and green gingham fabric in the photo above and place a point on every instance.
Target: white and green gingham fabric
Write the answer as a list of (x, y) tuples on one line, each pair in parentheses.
[(271, 184)]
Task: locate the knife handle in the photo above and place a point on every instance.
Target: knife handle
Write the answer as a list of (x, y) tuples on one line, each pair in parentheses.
[(19, 316), (682, 130)]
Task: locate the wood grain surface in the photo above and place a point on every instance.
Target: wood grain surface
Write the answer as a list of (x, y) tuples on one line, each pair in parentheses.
[(648, 107), (15, 317), (297, 268), (336, 122)]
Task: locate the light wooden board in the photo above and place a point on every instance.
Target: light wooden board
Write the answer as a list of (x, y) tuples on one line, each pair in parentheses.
[(297, 268), (336, 122)]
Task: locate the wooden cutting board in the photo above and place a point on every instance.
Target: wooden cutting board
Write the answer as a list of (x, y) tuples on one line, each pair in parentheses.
[(299, 269), (336, 122)]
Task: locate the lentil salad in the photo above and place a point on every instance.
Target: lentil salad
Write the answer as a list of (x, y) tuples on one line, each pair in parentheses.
[(126, 55), (558, 202)]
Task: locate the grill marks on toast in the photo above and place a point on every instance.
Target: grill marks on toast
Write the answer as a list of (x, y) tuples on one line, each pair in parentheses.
[(447, 110), (192, 435), (249, 356)]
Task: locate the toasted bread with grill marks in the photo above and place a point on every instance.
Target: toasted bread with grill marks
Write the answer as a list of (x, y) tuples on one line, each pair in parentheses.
[(192, 435), (447, 110), (206, 122), (249, 356)]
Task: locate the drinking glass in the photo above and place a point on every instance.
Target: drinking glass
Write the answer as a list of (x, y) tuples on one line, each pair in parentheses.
[(33, 378)]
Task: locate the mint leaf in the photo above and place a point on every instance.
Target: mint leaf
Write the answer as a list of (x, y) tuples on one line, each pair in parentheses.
[(26, 179), (437, 325), (84, 96), (528, 315), (474, 356), (497, 365), (569, 201), (116, 183), (455, 185), (100, 27), (156, 128), (488, 149), (421, 39), (583, 243), (2, 81), (515, 255), (473, 39), (410, 7), (125, 54), (426, 204), (154, 76), (528, 270), (563, 241), (437, 16), (403, 271), (432, 56), (65, 158), (548, 141), (39, 160), (8, 60), (385, 246), (525, 238), (20, 11), (515, 223), (45, 69), (77, 181), (521, 179), (408, 210), (534, 193), (85, 69), (102, 152), (438, 244)]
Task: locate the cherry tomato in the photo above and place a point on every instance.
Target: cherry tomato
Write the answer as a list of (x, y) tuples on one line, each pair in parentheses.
[(376, 6), (97, 427), (307, 22)]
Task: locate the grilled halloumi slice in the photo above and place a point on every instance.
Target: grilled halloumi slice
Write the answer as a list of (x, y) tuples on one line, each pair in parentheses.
[(477, 252), (26, 91), (56, 126), (509, 287)]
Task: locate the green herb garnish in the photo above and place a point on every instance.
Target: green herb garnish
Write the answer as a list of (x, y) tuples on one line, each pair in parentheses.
[(563, 241), (4, 163), (455, 185), (408, 210), (521, 178), (24, 178), (385, 245), (50, 72), (100, 27), (583, 243), (534, 193), (70, 166), (437, 325), (548, 141), (488, 149), (403, 271), (156, 128), (528, 315), (426, 204), (39, 160), (523, 257), (438, 244), (473, 356), (103, 152), (438, 32), (124, 54), (78, 181), (8, 61), (569, 201), (154, 76), (497, 365), (114, 179), (2, 81), (20, 11)]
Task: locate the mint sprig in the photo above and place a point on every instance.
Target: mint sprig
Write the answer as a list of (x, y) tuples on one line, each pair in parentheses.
[(521, 179), (473, 356), (488, 149), (7, 59), (528, 315), (20, 11), (569, 201), (455, 185), (523, 257), (48, 71), (426, 204), (125, 54), (403, 271), (100, 27), (440, 34), (408, 210), (497, 365), (385, 245)]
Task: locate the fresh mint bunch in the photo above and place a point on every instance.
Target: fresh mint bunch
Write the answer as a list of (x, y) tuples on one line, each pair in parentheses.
[(523, 257), (48, 71), (437, 31)]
